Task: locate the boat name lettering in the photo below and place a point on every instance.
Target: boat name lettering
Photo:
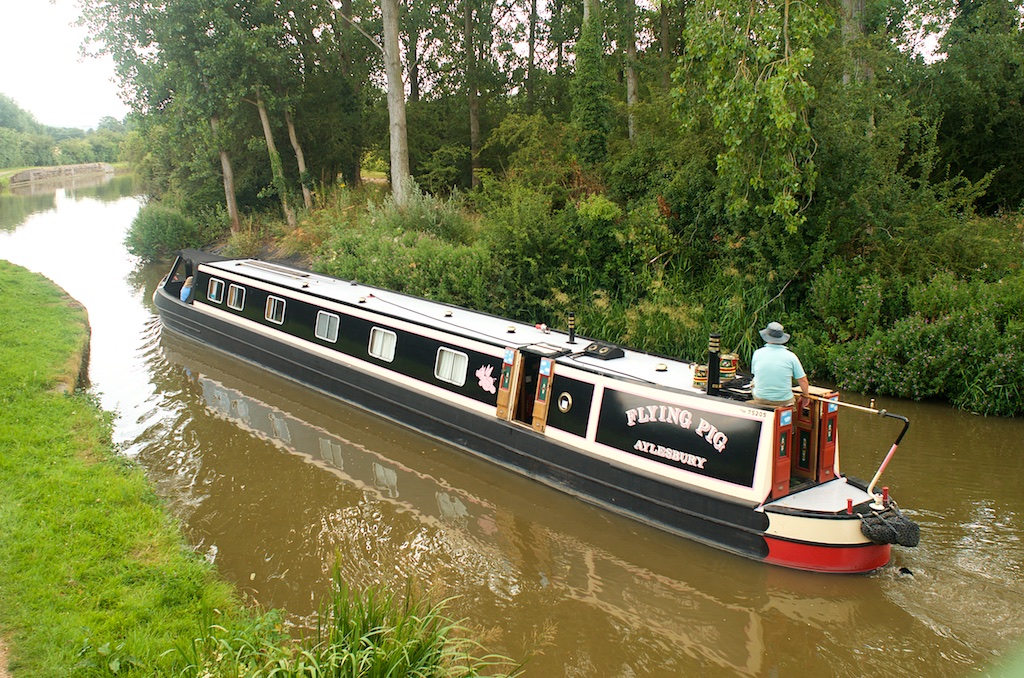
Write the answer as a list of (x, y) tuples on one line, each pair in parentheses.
[(717, 439), (664, 413), (669, 453), (680, 417)]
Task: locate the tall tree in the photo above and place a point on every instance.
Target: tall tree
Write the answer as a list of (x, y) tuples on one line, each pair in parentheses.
[(300, 160), (401, 179), (276, 168), (159, 53), (472, 91), (591, 110), (256, 60), (228, 174), (668, 38), (346, 58), (531, 58), (628, 33), (979, 89)]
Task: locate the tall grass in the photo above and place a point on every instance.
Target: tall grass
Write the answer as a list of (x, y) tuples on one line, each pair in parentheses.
[(372, 634), (379, 634)]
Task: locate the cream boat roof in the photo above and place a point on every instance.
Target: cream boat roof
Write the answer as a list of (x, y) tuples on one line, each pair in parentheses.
[(653, 369)]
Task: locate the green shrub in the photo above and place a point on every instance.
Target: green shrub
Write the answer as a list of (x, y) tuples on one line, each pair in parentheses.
[(532, 249), (638, 169), (159, 230), (599, 241), (411, 262), (426, 214), (663, 323), (537, 156), (850, 300), (963, 342), (443, 168), (251, 239)]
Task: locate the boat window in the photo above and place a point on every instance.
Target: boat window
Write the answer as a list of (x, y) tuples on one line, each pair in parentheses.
[(215, 291), (382, 344), (327, 326), (451, 366), (275, 310), (236, 297)]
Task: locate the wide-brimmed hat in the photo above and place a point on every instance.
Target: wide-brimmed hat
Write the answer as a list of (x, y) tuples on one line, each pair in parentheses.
[(774, 334)]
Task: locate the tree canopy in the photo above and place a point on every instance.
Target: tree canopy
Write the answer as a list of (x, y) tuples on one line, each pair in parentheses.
[(24, 142), (707, 162)]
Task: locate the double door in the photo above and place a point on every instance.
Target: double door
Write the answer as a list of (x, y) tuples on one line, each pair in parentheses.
[(524, 390)]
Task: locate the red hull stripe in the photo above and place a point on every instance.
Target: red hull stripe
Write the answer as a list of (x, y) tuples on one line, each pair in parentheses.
[(819, 558)]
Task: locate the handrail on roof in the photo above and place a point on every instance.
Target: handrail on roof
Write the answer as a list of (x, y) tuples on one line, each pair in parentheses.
[(274, 268)]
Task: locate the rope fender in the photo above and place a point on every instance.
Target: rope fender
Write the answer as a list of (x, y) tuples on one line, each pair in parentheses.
[(890, 527)]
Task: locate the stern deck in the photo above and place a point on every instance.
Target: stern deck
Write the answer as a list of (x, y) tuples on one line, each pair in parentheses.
[(829, 497)]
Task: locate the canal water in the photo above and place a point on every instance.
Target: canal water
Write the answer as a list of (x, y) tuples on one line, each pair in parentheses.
[(278, 485)]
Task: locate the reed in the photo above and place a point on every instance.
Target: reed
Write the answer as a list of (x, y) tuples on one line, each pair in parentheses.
[(369, 634), (376, 633)]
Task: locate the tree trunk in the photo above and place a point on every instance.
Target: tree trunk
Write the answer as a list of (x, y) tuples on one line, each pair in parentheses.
[(307, 197), (531, 57), (346, 71), (345, 33), (413, 56), (277, 171), (853, 29), (632, 80), (471, 87), (558, 21), (666, 47), (401, 179), (229, 178)]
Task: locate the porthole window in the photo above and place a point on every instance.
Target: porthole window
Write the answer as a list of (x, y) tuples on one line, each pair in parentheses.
[(215, 291), (382, 344), (451, 366), (275, 310), (236, 297), (327, 325)]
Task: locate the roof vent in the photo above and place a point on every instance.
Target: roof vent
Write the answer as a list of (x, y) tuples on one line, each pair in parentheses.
[(603, 351)]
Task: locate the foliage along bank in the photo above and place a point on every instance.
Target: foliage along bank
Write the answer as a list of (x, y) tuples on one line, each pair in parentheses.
[(757, 161), (26, 143)]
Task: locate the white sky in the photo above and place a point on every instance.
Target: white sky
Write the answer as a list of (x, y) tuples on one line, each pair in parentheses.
[(40, 66)]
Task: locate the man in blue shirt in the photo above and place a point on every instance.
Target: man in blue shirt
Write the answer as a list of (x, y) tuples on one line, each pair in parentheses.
[(775, 367)]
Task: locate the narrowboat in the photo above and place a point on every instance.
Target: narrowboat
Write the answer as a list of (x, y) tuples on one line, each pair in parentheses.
[(667, 442)]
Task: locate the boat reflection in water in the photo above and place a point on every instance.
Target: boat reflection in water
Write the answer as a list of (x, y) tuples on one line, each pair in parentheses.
[(547, 570)]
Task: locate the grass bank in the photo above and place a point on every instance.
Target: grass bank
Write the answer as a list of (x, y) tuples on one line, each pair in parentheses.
[(95, 576), (7, 173)]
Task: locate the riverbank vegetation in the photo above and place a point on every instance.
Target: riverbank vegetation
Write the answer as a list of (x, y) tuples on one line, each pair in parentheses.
[(95, 577), (851, 171), (26, 143)]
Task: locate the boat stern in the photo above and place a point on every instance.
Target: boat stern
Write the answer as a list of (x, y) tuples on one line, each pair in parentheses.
[(821, 529)]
